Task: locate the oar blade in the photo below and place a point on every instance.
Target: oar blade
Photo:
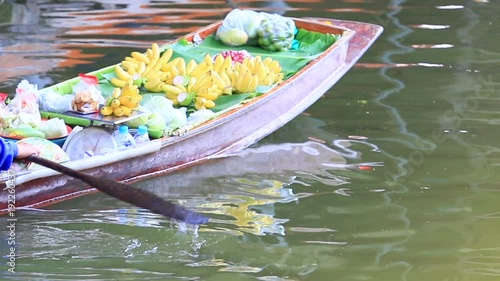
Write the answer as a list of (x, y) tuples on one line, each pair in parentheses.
[(150, 201)]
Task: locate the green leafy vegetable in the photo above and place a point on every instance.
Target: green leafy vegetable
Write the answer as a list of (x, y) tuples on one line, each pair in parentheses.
[(312, 41)]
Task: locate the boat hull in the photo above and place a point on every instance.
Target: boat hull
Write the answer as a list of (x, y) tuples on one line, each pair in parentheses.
[(230, 132)]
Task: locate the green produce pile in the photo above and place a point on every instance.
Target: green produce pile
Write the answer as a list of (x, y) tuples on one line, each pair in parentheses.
[(246, 27), (276, 33)]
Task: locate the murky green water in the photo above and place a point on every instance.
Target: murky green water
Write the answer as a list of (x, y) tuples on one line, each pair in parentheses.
[(390, 176)]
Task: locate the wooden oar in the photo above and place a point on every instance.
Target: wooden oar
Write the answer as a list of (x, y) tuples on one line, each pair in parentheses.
[(129, 194)]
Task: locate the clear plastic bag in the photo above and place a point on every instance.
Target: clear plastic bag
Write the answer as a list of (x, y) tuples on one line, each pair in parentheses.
[(4, 112), (52, 101), (173, 117), (24, 105), (199, 116), (86, 95), (276, 33), (54, 128), (239, 28)]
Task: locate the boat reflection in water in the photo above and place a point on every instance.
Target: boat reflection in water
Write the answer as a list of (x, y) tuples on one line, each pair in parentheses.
[(239, 190)]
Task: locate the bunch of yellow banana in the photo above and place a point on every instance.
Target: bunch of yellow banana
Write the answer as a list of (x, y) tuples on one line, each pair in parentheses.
[(221, 63), (268, 70), (209, 75), (143, 69), (203, 103), (242, 80), (246, 76), (123, 100), (202, 91), (195, 83), (180, 72), (203, 83), (222, 81)]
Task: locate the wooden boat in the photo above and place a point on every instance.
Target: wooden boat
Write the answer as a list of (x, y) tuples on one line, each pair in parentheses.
[(229, 132)]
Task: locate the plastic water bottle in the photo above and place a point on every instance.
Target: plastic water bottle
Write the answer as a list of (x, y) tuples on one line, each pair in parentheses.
[(142, 135), (123, 138)]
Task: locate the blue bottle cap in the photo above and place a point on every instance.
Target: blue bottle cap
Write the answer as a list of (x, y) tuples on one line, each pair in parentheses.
[(142, 129), (123, 129)]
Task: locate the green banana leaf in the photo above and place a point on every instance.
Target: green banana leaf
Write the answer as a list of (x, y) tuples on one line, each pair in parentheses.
[(310, 45), (224, 102)]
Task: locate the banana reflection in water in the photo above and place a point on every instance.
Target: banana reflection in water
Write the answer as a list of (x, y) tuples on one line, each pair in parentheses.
[(246, 184), (242, 209)]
